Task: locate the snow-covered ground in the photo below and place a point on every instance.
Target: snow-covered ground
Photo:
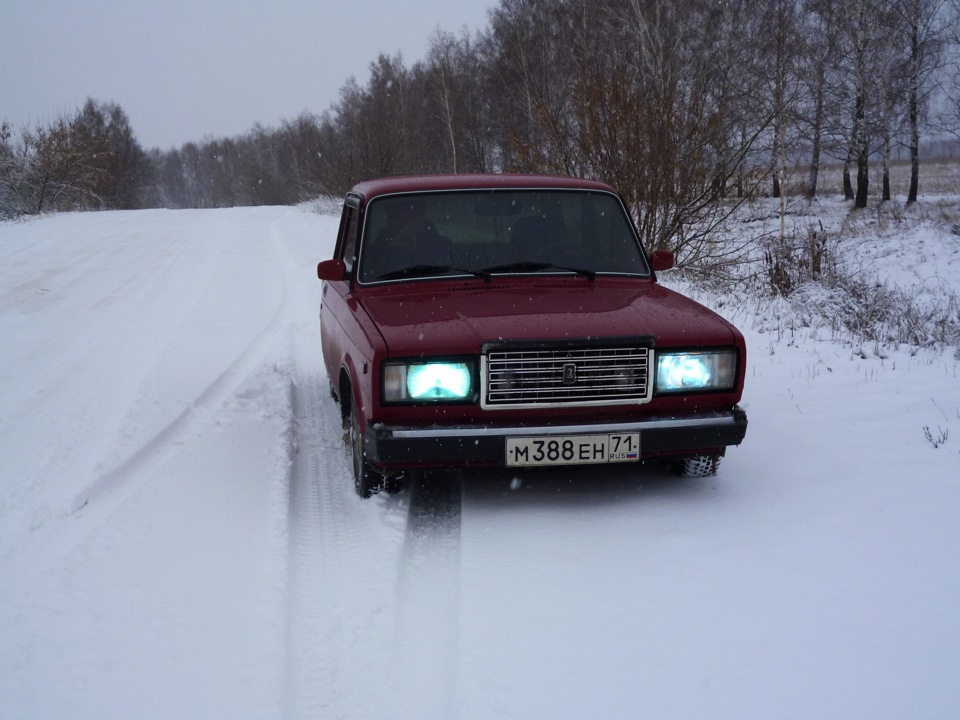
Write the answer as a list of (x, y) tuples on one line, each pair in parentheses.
[(179, 537)]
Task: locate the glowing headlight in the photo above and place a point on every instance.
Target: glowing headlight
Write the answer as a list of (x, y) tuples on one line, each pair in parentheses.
[(427, 381), (692, 371)]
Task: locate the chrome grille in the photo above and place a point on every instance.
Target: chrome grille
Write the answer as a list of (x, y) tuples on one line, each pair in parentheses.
[(561, 376)]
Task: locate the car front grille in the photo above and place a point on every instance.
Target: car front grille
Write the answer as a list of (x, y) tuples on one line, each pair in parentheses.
[(538, 377)]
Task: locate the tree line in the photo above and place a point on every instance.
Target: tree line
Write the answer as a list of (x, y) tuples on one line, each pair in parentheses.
[(680, 104)]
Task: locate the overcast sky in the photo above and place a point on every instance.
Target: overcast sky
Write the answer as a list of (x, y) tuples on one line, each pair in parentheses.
[(184, 69)]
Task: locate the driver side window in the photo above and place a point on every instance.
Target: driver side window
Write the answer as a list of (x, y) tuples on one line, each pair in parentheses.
[(348, 242)]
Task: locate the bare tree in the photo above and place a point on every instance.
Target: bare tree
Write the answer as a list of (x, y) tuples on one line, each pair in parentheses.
[(442, 63), (659, 107), (781, 44), (949, 116), (924, 27), (817, 43), (11, 174), (672, 101), (62, 168), (861, 35), (525, 63), (890, 86)]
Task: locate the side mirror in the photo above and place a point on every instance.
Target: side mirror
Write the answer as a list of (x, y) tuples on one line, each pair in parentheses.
[(332, 270), (661, 260)]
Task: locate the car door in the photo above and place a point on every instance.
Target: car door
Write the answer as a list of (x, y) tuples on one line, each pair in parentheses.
[(335, 312)]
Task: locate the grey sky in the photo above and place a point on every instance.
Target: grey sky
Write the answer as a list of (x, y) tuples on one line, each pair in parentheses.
[(183, 69)]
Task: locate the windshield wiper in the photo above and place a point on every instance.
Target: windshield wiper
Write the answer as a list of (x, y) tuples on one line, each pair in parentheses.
[(528, 266), (424, 270)]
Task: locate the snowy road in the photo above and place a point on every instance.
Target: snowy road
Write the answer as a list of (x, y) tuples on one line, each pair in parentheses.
[(179, 536)]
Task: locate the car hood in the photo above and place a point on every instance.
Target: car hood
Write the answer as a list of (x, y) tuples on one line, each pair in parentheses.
[(450, 318)]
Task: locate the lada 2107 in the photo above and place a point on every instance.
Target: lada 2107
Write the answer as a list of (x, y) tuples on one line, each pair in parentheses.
[(516, 321)]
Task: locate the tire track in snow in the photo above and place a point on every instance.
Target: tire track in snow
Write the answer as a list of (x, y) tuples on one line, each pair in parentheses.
[(343, 552), (373, 585), (340, 570), (91, 506), (307, 648), (112, 286), (157, 450), (428, 598)]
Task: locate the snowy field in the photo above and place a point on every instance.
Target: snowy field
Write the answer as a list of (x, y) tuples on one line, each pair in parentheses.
[(179, 536)]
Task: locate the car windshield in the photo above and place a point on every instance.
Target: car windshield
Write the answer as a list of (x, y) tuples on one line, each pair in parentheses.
[(485, 233)]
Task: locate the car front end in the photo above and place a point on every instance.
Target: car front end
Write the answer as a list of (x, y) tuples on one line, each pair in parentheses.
[(532, 380)]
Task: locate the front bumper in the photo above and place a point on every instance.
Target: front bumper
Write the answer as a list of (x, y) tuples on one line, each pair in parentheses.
[(400, 447)]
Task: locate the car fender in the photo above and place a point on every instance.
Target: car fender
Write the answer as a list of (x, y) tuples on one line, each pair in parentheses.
[(353, 345)]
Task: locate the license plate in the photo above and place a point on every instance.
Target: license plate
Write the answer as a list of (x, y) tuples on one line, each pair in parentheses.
[(573, 449)]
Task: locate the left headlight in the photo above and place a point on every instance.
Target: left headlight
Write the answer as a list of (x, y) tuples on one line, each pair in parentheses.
[(679, 372), (428, 381)]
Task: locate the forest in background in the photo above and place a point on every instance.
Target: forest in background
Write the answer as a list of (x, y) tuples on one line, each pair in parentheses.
[(679, 104)]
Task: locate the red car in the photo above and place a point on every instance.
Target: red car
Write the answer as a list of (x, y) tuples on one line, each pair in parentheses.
[(516, 321)]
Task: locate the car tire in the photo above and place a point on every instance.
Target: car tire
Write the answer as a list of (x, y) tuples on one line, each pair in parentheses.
[(698, 466), (395, 483), (366, 480)]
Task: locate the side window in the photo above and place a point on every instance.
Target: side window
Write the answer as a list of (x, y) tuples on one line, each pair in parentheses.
[(348, 240)]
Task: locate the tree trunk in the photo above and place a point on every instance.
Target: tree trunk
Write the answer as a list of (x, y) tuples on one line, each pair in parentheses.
[(43, 192), (720, 179), (885, 193), (860, 142), (814, 164), (775, 159), (863, 178), (914, 166), (814, 178), (847, 184), (914, 111)]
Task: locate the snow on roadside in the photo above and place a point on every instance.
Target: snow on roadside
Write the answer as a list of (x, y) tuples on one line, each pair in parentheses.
[(888, 271), (172, 605), (146, 439), (815, 576), (179, 537)]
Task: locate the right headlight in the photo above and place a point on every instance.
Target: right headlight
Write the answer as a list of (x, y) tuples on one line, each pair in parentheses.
[(679, 372)]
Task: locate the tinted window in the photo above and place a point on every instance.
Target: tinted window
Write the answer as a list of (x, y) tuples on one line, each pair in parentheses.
[(450, 232)]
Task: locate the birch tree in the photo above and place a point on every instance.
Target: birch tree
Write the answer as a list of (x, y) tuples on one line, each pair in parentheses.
[(924, 27)]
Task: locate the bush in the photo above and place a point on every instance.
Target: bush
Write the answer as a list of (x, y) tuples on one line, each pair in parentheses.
[(806, 271)]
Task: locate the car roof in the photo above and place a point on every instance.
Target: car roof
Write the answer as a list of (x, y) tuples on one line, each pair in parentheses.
[(370, 189)]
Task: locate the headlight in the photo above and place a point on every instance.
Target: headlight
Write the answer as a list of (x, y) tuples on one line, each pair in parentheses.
[(692, 371), (430, 381)]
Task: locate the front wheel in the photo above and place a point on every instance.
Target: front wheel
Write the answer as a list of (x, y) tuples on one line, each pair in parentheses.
[(698, 466), (366, 480), (394, 484)]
